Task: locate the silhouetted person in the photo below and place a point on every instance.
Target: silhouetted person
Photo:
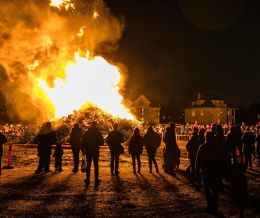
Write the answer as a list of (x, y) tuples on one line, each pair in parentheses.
[(202, 136), (233, 142), (248, 140), (152, 141), (3, 140), (258, 146), (114, 141), (239, 191), (135, 149), (172, 151), (58, 153), (76, 144), (192, 149), (208, 161), (92, 140), (221, 143), (45, 138)]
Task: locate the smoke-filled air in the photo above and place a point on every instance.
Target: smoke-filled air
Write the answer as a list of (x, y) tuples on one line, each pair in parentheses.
[(48, 66)]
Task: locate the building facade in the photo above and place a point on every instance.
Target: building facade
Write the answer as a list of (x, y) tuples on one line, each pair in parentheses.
[(145, 110), (206, 111)]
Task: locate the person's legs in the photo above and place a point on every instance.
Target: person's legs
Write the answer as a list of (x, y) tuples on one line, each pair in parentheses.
[(0, 164), (46, 163), (112, 162), (116, 164), (56, 164), (75, 159), (155, 164), (40, 165), (133, 162), (89, 160), (139, 163), (60, 164), (96, 167), (150, 163), (207, 193)]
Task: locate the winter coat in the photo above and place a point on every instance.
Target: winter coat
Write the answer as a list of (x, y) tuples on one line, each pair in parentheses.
[(193, 146), (114, 141), (45, 142), (208, 159), (75, 139), (233, 142), (248, 140), (3, 140), (152, 141), (136, 144), (92, 139)]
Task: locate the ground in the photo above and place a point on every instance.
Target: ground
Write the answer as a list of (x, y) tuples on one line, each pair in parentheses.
[(23, 194)]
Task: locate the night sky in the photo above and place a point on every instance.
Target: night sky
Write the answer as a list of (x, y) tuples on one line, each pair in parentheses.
[(174, 49)]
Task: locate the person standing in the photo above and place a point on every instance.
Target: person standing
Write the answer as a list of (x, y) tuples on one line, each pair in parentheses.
[(233, 142), (208, 161), (152, 141), (171, 151), (3, 140), (45, 138), (192, 149), (258, 146), (58, 153), (248, 140), (135, 149), (76, 144), (92, 140), (114, 141)]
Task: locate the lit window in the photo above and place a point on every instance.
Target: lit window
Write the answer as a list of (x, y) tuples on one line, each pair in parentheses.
[(201, 113), (193, 113)]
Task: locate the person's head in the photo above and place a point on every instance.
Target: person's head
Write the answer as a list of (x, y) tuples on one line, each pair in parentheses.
[(115, 126), (209, 136), (172, 125), (150, 129), (137, 131), (76, 125), (94, 124), (233, 129), (195, 131)]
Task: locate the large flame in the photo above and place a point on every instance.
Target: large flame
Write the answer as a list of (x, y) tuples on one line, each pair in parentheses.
[(91, 81), (62, 3)]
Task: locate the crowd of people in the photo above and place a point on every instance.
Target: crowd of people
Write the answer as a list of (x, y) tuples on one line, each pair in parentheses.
[(214, 153)]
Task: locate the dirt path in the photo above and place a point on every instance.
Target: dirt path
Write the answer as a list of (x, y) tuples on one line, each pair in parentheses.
[(23, 194)]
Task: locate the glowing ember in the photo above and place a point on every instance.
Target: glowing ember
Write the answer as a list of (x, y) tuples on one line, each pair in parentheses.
[(61, 3), (95, 15), (88, 82)]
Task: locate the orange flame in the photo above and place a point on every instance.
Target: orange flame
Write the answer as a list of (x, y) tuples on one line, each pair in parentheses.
[(87, 82), (62, 3)]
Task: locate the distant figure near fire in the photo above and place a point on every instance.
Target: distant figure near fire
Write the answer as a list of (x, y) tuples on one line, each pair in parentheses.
[(208, 162), (152, 141), (76, 144), (192, 148), (92, 140), (171, 151), (135, 149), (114, 141), (58, 153), (45, 138), (3, 140)]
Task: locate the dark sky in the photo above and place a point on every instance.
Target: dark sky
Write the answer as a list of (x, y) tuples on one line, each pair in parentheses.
[(174, 49)]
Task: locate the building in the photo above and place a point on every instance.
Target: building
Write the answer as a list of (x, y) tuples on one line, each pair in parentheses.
[(145, 110), (207, 111)]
